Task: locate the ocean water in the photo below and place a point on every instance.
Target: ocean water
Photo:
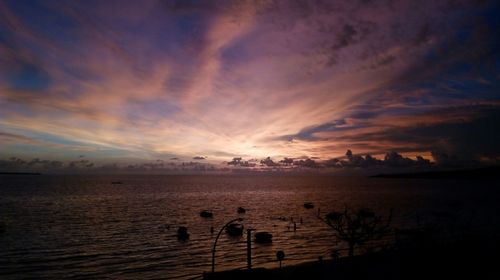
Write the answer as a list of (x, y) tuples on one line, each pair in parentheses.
[(84, 227)]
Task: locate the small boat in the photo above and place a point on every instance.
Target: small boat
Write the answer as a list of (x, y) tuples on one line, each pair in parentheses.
[(206, 214), (234, 229), (241, 210), (182, 233), (116, 182), (263, 237), (308, 205)]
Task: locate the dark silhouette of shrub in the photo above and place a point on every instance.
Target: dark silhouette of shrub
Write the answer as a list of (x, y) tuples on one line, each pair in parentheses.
[(355, 227)]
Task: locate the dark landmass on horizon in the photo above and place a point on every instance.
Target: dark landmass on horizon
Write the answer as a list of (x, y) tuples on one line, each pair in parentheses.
[(476, 173), (20, 173)]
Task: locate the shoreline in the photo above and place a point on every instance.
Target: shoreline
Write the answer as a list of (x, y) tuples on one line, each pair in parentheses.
[(461, 259)]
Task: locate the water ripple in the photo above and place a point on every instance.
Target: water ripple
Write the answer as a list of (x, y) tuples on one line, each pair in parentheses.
[(77, 227)]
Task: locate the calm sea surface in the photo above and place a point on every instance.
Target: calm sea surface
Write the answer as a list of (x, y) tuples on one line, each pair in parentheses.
[(84, 227)]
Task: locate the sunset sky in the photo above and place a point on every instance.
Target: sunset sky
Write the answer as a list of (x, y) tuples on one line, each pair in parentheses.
[(132, 82)]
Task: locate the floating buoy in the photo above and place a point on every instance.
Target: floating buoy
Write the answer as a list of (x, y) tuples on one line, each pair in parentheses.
[(182, 233), (234, 229), (206, 214), (308, 205), (263, 237)]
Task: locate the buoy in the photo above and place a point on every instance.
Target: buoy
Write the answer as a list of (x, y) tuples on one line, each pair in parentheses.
[(206, 214), (263, 237), (182, 233), (280, 255), (308, 205)]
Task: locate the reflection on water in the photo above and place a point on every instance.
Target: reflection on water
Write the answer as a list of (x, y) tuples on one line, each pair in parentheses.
[(87, 227)]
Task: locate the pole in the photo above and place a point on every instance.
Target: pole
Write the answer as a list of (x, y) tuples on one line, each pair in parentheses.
[(217, 238), (249, 249)]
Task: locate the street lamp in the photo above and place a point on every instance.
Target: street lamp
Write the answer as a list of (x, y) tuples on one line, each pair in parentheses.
[(217, 238)]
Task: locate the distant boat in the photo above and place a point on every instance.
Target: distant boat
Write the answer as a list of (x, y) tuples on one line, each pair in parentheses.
[(206, 214), (241, 210), (308, 205), (263, 237), (234, 229), (182, 233), (116, 182)]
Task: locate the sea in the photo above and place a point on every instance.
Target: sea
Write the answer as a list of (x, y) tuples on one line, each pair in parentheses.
[(125, 226)]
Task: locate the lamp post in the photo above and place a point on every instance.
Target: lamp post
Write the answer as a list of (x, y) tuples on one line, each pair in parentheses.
[(217, 238), (249, 248)]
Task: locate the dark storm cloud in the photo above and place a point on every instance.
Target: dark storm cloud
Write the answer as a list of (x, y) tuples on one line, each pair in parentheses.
[(468, 140), (444, 159), (394, 159), (391, 159), (431, 106), (474, 135), (468, 52)]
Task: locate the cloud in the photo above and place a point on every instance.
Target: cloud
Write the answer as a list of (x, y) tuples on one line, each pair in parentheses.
[(309, 163), (84, 166), (345, 37), (238, 161), (199, 158), (287, 161), (9, 137), (308, 133), (252, 79), (391, 160), (268, 162), (469, 138), (15, 164), (80, 164), (29, 76), (350, 161)]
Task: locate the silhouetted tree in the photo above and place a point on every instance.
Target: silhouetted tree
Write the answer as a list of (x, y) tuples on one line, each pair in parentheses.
[(357, 227)]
